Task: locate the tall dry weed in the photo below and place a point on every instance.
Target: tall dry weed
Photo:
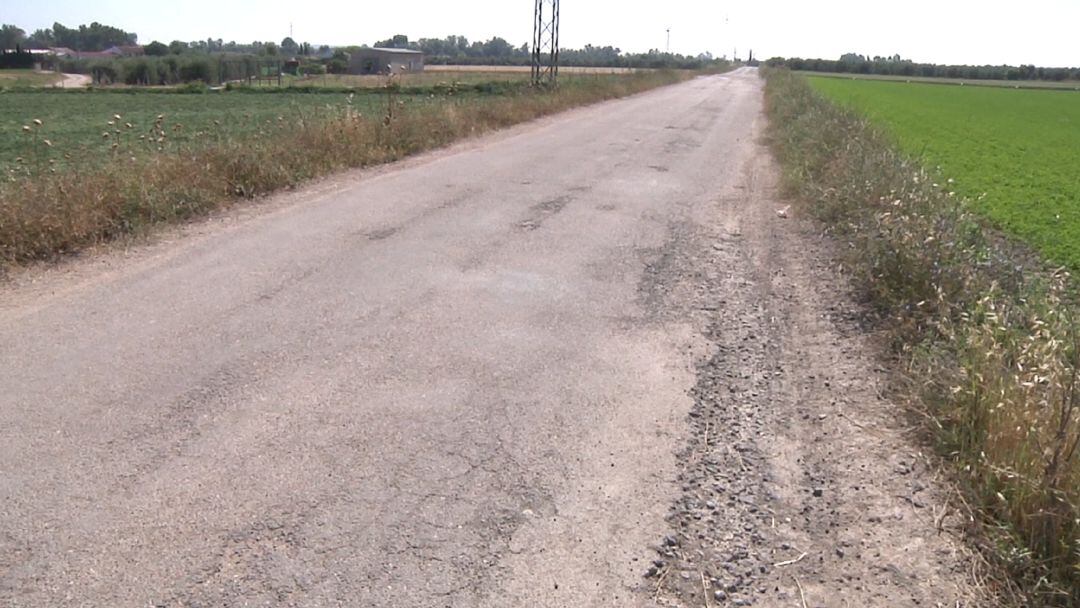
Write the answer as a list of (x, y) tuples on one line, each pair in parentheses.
[(987, 336)]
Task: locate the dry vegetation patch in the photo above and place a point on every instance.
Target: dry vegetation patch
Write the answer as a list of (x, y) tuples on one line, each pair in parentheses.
[(59, 196), (986, 335)]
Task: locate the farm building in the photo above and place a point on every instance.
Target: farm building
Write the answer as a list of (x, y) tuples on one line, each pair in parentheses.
[(386, 61)]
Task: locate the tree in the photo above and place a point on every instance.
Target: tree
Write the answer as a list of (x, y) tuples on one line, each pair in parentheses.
[(42, 39), (93, 37), (398, 41), (270, 49), (11, 36), (497, 47), (157, 49), (289, 46), (178, 47)]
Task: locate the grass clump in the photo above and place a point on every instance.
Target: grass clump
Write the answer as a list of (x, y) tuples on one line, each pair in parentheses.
[(131, 168), (987, 334)]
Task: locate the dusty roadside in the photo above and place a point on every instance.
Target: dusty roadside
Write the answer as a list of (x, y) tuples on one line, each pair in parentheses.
[(802, 484)]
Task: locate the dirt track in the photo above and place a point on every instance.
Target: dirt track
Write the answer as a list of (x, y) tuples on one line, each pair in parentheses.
[(511, 373), (74, 81)]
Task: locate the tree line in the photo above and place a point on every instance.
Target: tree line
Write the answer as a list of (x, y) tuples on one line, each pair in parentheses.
[(93, 37), (458, 50), (452, 49), (852, 63)]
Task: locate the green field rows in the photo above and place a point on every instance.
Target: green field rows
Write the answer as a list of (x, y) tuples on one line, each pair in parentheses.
[(1014, 153), (74, 123)]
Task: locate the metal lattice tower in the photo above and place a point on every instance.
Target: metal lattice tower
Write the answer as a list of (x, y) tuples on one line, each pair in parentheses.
[(545, 48)]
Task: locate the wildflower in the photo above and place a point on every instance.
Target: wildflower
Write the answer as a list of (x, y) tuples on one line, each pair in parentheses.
[(47, 142), (37, 121), (116, 117), (26, 128), (128, 125)]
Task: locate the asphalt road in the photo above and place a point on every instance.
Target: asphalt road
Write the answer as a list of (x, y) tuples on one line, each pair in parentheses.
[(442, 383)]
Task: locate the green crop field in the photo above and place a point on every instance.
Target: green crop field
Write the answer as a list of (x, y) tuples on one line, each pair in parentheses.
[(75, 123), (1014, 153)]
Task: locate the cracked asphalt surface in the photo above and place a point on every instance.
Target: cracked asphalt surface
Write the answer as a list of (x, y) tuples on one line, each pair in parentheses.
[(474, 378)]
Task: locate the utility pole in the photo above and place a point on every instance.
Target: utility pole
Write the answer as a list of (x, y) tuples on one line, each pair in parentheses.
[(545, 51), (667, 49)]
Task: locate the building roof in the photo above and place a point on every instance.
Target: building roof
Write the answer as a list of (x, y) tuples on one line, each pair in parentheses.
[(95, 55), (388, 50)]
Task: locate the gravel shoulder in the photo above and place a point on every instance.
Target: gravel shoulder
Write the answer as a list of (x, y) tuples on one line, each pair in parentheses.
[(802, 483)]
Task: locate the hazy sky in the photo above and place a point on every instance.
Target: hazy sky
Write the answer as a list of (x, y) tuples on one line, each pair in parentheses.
[(1042, 32)]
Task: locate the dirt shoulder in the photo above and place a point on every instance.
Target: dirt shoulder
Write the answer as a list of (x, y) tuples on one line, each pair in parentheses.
[(801, 484)]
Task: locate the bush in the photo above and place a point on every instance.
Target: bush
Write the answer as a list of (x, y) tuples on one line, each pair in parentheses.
[(198, 68), (16, 60)]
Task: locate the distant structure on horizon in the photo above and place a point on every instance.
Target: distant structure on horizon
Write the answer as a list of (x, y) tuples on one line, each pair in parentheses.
[(386, 61), (134, 50)]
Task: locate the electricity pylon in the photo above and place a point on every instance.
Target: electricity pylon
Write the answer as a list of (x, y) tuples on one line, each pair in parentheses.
[(545, 48)]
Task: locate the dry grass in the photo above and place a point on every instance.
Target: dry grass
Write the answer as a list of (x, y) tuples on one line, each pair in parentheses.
[(987, 336), (45, 212), (28, 78)]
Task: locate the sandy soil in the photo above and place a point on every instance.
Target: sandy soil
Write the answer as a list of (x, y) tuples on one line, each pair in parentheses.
[(74, 81)]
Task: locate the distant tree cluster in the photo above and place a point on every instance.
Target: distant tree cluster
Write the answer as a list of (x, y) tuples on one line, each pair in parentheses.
[(497, 51), (852, 63), (214, 60), (93, 37), (11, 37)]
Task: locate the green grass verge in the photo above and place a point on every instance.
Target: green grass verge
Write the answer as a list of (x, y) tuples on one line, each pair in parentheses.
[(986, 339), (1014, 153)]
